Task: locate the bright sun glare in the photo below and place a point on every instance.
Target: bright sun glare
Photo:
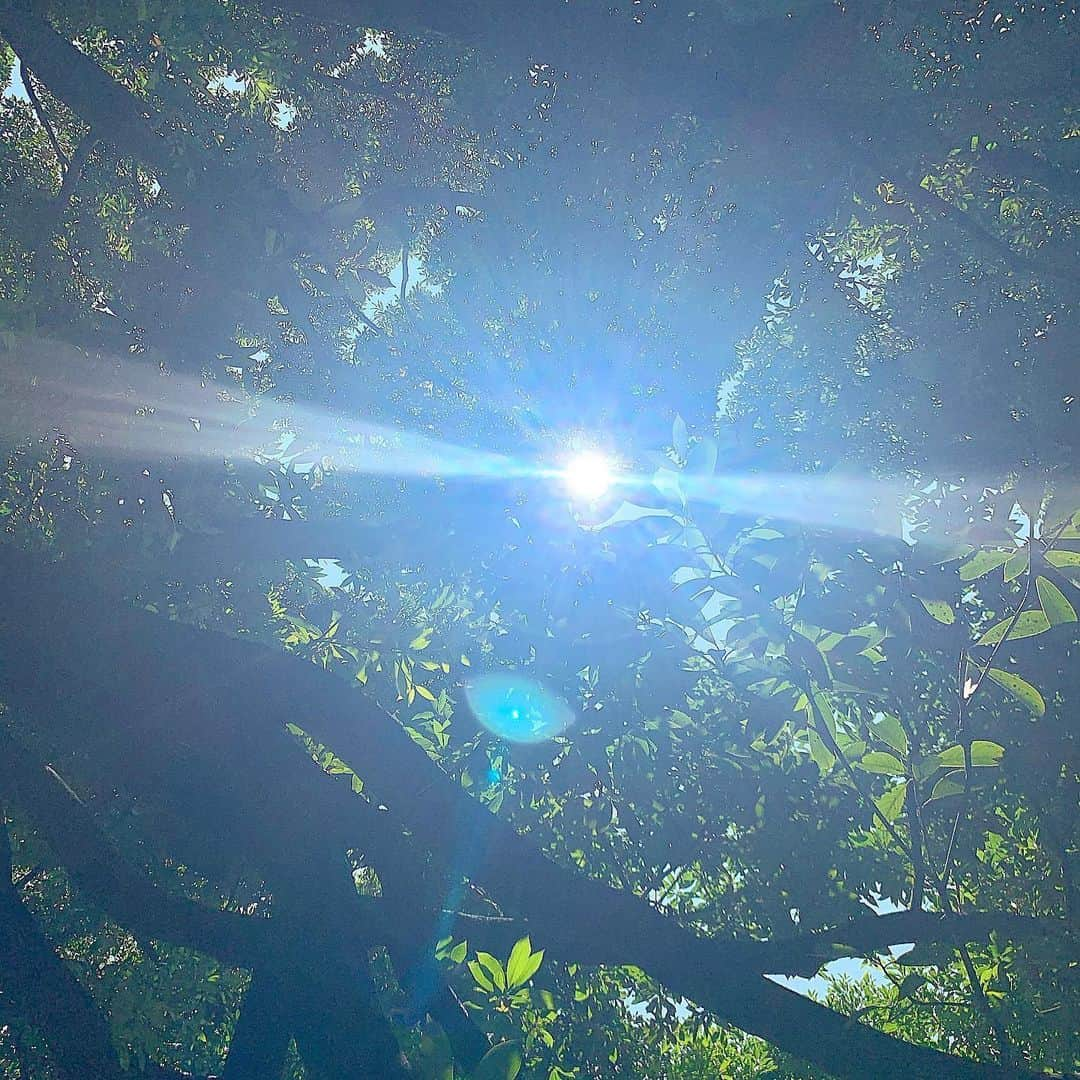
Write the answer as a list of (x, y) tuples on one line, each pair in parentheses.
[(588, 475)]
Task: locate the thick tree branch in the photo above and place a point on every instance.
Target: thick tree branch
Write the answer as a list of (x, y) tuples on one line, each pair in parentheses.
[(49, 633), (261, 1037), (286, 960), (45, 992)]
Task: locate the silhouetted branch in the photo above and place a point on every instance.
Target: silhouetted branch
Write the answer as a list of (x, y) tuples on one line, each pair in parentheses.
[(45, 991), (49, 631), (43, 119)]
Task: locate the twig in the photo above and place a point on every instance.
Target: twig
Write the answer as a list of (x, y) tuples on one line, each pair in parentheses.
[(43, 120), (827, 737)]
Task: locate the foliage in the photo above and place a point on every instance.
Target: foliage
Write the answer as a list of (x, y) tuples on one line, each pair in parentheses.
[(301, 308)]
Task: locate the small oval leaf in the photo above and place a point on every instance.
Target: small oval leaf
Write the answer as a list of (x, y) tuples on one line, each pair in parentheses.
[(940, 610)]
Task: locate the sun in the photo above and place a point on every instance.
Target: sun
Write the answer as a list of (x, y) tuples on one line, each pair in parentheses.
[(588, 475)]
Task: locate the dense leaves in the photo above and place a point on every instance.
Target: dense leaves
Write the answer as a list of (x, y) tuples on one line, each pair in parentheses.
[(303, 307)]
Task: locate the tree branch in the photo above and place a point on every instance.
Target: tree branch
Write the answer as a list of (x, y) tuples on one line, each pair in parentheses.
[(51, 637), (45, 991), (62, 161)]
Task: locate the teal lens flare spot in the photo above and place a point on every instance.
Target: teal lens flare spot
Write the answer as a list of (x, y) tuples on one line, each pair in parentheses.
[(518, 709)]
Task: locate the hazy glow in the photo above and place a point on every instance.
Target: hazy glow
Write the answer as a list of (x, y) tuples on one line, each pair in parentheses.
[(588, 475), (518, 709), (113, 407)]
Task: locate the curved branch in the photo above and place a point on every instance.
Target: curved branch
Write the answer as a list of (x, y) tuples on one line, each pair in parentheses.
[(45, 991), (52, 636)]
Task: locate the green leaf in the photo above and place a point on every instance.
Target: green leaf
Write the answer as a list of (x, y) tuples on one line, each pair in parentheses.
[(502, 1062), (940, 610), (1017, 564), (952, 783), (889, 730), (891, 804), (435, 1060), (984, 754), (494, 969), (982, 563), (1029, 624), (481, 977), (523, 963), (821, 755), (1054, 602), (879, 762), (1020, 689), (422, 640), (1063, 558), (459, 951)]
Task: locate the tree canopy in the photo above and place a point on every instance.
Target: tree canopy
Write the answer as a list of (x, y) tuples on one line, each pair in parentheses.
[(346, 732)]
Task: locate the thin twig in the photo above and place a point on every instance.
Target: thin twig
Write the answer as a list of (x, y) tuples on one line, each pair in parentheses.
[(827, 737), (43, 120)]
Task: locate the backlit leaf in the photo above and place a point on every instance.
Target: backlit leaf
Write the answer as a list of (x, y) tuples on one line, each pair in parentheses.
[(891, 804), (889, 729), (940, 610), (1054, 602), (1063, 558), (502, 1062), (952, 783), (1020, 689), (1029, 624), (981, 564), (493, 968), (983, 755), (879, 762), (522, 964)]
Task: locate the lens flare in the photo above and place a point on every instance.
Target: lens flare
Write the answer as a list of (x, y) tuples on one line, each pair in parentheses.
[(588, 475), (518, 709)]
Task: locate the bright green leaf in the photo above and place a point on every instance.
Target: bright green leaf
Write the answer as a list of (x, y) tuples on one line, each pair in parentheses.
[(1020, 689), (494, 969), (879, 762), (891, 804), (481, 977), (940, 610), (821, 755), (1054, 602), (889, 730), (982, 563), (1029, 624), (1063, 558), (1017, 564), (983, 754), (523, 963), (952, 783)]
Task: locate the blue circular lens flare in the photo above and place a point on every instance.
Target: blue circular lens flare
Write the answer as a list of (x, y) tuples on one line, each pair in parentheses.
[(518, 709), (588, 475)]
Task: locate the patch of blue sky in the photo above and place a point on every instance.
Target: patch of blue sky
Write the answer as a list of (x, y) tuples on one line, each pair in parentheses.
[(16, 88)]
